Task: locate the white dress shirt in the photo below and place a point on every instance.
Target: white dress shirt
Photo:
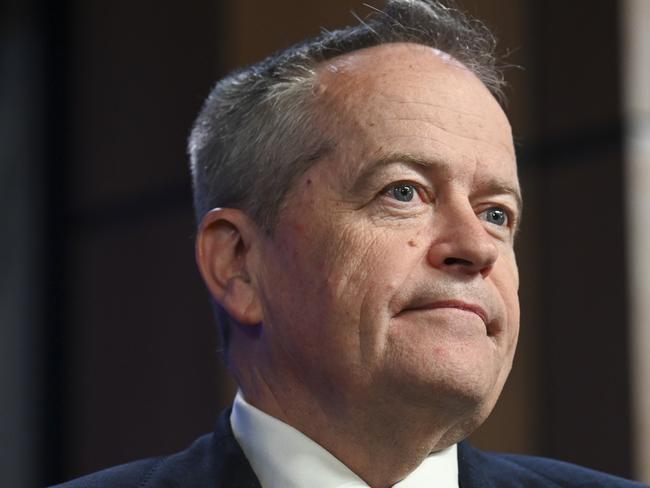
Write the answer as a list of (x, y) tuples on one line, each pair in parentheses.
[(283, 457)]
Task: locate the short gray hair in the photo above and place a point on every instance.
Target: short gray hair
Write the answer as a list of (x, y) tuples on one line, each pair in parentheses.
[(257, 131)]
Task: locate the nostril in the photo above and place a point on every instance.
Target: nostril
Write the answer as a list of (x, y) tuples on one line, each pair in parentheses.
[(453, 261)]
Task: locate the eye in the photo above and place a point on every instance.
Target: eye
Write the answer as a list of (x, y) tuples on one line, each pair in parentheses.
[(403, 192), (496, 216)]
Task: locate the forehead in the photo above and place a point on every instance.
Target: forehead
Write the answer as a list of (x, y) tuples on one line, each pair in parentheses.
[(402, 72), (409, 98)]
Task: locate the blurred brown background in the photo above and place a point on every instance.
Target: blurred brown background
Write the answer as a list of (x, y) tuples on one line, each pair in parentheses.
[(110, 352)]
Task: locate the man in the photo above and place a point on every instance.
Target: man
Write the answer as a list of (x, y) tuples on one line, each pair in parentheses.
[(358, 203)]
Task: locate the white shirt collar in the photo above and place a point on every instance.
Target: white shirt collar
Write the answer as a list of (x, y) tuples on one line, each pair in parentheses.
[(283, 457)]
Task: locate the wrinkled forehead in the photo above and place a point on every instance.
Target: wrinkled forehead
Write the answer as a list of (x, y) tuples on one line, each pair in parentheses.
[(371, 68), (376, 94), (370, 79)]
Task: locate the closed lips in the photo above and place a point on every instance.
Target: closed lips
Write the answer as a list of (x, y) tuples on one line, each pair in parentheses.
[(469, 307)]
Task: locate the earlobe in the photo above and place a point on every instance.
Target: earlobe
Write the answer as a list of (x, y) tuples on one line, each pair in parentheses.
[(223, 254)]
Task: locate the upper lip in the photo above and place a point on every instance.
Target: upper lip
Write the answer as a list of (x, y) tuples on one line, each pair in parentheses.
[(459, 304)]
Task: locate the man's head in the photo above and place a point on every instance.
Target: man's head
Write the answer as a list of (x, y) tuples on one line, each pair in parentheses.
[(379, 276), (257, 131)]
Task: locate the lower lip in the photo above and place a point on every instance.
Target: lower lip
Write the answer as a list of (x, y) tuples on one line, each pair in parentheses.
[(448, 307)]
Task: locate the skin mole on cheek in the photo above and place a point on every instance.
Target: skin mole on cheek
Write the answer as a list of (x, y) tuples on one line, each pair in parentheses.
[(412, 243)]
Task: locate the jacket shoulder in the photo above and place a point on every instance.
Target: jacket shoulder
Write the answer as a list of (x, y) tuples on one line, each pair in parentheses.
[(212, 461), (195, 467), (514, 470), (567, 474), (133, 474)]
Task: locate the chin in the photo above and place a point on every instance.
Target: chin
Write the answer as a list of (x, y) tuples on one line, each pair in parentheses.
[(476, 398), (466, 388), (462, 376)]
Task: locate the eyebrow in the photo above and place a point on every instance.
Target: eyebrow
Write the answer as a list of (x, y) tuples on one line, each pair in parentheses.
[(494, 185)]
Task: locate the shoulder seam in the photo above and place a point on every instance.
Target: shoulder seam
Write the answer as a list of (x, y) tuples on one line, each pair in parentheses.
[(538, 473), (147, 477)]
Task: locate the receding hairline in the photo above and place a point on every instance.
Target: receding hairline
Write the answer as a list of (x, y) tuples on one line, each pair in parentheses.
[(340, 76), (350, 62), (346, 74)]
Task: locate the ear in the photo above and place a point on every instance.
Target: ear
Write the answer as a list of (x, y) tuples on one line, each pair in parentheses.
[(223, 255)]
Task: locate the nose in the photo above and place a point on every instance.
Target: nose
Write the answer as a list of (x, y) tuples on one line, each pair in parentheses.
[(461, 242)]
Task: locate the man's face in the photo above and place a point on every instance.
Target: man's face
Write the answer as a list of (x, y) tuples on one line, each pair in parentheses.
[(391, 277)]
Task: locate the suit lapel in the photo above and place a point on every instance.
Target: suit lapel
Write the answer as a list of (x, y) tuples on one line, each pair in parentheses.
[(232, 467)]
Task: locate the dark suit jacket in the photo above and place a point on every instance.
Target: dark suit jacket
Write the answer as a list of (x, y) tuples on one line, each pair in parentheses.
[(216, 461)]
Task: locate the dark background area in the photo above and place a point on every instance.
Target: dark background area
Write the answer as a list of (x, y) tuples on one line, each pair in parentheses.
[(108, 344)]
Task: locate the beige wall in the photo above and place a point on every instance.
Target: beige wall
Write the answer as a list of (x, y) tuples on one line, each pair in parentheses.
[(636, 70)]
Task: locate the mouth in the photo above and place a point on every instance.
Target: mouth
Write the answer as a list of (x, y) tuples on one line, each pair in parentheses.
[(456, 304)]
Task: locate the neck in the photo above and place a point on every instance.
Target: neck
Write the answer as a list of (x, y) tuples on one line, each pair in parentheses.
[(379, 442)]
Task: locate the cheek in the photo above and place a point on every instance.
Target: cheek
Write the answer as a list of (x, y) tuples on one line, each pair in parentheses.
[(339, 276), (367, 271), (356, 280), (506, 273), (321, 269), (507, 282), (371, 261), (357, 269)]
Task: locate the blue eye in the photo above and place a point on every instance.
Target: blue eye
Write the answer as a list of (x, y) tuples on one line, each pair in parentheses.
[(403, 192), (496, 216)]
